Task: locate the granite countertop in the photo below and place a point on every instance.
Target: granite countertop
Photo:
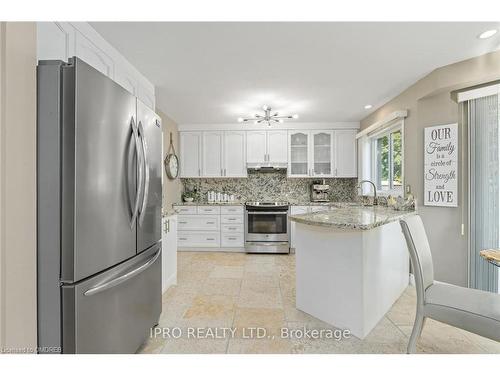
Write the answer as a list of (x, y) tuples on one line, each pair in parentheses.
[(238, 203), (234, 203), (350, 216)]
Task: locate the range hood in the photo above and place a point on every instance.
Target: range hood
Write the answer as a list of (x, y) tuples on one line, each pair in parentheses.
[(267, 167)]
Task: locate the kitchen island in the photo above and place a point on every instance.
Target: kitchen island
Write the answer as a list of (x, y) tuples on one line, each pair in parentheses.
[(352, 264)]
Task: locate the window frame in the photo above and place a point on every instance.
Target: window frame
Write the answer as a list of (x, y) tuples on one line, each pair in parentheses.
[(388, 131)]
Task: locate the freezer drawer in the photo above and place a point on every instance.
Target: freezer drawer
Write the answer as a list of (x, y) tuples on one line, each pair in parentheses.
[(114, 311)]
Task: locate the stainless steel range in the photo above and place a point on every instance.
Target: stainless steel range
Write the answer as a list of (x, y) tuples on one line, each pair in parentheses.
[(267, 228)]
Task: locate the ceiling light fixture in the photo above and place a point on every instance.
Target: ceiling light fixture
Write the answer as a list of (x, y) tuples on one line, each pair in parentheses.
[(268, 117), (487, 34), (368, 106)]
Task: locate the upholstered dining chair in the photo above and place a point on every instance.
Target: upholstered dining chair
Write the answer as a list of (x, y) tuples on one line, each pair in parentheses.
[(473, 310)]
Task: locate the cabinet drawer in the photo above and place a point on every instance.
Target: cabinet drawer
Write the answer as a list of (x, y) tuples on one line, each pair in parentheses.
[(232, 240), (231, 219), (297, 210), (199, 222), (232, 210), (198, 239), (204, 210), (318, 208), (232, 228), (186, 210)]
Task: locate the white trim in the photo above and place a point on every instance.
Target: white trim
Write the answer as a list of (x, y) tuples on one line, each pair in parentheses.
[(285, 126), (384, 122), (478, 93), (394, 126)]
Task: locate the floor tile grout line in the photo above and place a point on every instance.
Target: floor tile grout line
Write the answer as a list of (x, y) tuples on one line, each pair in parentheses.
[(234, 316)]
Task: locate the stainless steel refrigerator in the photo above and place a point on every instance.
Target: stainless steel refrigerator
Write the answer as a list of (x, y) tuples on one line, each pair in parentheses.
[(99, 212)]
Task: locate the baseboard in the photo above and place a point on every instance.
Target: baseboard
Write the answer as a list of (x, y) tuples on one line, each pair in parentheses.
[(172, 280), (213, 249)]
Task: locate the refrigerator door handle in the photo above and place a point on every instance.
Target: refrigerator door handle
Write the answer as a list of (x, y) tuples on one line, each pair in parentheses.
[(135, 132), (146, 179), (120, 279)]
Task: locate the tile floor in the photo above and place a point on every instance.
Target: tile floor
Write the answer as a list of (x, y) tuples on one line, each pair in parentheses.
[(237, 291)]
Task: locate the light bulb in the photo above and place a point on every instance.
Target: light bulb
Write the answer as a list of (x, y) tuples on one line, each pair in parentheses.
[(280, 121), (265, 107), (368, 106), (240, 119), (488, 34), (295, 116)]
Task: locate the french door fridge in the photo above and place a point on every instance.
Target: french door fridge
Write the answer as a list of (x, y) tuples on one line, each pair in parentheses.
[(99, 212)]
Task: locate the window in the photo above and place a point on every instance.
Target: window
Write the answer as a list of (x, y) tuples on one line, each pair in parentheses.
[(387, 161)]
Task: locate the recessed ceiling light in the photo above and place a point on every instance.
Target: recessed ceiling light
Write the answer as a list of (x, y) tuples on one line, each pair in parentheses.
[(487, 34), (368, 106)]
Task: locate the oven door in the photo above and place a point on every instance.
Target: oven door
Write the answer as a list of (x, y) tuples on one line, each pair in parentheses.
[(266, 226)]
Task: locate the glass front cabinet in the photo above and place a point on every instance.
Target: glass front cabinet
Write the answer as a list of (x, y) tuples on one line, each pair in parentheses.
[(311, 153)]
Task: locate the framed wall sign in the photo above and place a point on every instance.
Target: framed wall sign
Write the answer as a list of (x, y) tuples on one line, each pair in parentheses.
[(441, 165)]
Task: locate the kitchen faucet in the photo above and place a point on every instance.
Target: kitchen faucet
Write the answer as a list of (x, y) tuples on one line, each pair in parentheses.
[(374, 190)]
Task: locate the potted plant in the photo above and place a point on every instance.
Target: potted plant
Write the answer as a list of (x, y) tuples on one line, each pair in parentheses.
[(188, 196)]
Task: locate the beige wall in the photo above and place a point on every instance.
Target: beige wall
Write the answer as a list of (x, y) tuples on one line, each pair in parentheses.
[(171, 188), (17, 185), (429, 103)]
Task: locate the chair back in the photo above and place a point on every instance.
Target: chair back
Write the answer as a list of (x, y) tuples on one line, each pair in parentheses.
[(420, 252)]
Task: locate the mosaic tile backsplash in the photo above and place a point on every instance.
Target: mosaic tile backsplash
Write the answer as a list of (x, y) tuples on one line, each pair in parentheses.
[(270, 186)]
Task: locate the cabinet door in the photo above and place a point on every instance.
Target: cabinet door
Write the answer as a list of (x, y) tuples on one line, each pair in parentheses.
[(345, 151), (212, 154), (235, 154), (298, 160), (190, 154), (93, 55), (322, 153), (256, 146), (277, 146)]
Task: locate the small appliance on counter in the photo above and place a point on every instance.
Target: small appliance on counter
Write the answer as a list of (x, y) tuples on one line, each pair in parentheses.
[(319, 191)]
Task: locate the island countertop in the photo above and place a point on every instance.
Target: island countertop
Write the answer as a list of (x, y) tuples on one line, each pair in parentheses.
[(352, 217)]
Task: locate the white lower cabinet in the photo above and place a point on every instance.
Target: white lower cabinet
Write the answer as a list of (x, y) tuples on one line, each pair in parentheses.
[(232, 228), (211, 227), (198, 239), (169, 252), (232, 240)]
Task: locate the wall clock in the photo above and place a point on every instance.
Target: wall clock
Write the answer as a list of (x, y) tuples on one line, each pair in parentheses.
[(171, 162)]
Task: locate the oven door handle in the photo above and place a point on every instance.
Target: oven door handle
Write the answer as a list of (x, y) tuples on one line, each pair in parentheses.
[(267, 212)]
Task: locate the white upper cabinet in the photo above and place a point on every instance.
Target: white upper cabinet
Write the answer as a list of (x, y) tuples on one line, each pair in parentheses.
[(190, 154), (322, 153), (345, 150), (257, 146), (62, 40), (93, 55), (277, 146), (299, 164), (234, 154), (308, 153), (211, 159), (265, 147)]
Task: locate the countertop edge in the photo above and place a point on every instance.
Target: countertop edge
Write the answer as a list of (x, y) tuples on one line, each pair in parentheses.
[(350, 226)]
